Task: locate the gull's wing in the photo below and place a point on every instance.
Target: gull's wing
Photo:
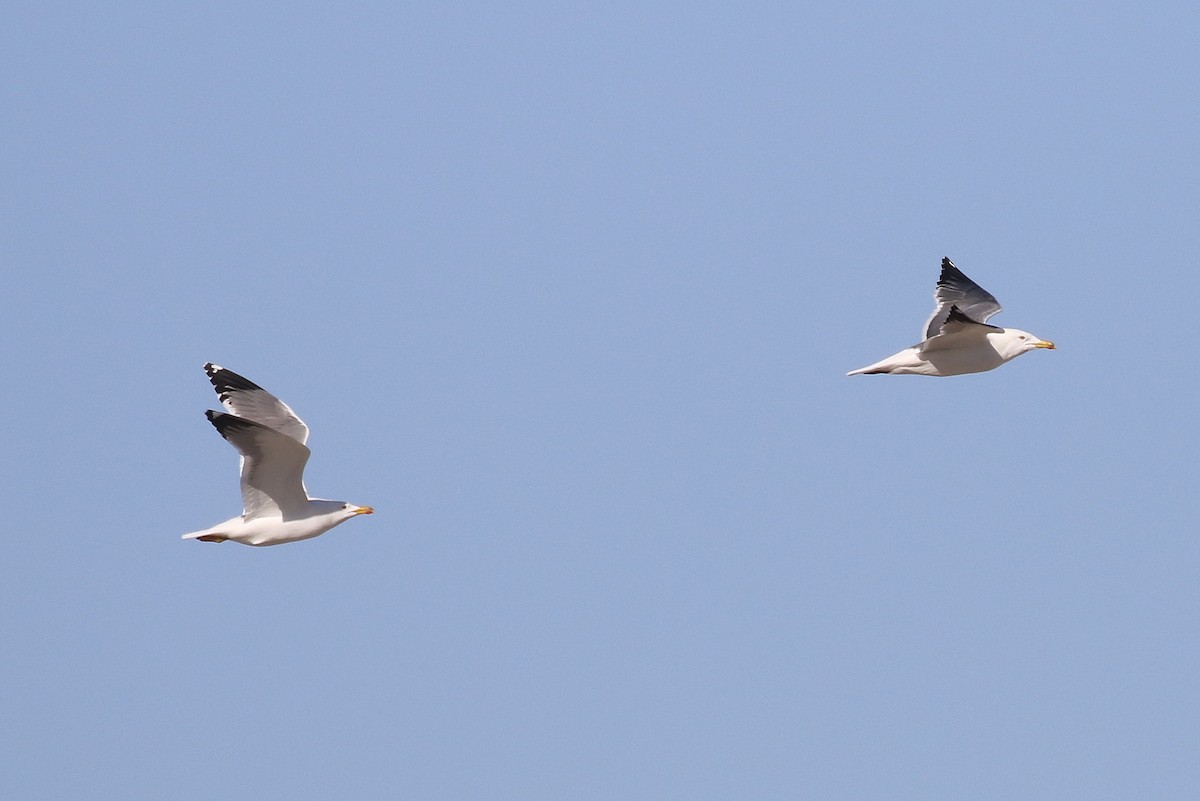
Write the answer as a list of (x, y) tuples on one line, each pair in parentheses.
[(272, 467), (248, 400), (955, 289), (955, 331)]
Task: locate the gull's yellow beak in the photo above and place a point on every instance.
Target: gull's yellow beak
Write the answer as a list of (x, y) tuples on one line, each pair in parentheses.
[(364, 510), (1045, 344)]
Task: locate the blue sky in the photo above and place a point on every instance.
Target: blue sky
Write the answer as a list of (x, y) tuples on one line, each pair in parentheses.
[(567, 293)]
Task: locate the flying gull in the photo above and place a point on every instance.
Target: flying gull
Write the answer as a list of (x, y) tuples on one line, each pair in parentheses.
[(957, 337), (270, 438)]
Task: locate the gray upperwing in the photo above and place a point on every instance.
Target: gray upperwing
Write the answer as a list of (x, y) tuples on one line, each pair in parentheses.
[(242, 397), (954, 289)]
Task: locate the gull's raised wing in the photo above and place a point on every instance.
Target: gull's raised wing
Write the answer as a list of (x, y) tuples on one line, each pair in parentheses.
[(245, 399), (954, 289)]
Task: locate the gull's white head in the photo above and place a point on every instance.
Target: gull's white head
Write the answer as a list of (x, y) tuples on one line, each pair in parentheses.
[(350, 510), (341, 511), (1012, 342)]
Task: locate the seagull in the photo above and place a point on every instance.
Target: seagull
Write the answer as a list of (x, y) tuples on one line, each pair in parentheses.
[(958, 339), (270, 438)]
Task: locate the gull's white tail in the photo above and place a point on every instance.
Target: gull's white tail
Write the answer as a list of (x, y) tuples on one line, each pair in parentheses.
[(207, 535)]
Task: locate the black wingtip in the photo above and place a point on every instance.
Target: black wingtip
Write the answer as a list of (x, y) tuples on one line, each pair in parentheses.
[(951, 274), (227, 423), (956, 316), (949, 267), (226, 381)]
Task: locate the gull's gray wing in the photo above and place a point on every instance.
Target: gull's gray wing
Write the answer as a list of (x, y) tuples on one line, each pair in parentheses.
[(272, 467), (956, 290), (244, 398)]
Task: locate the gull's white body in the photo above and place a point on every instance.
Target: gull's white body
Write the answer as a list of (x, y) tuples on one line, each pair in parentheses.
[(271, 439), (958, 339), (323, 516), (957, 354)]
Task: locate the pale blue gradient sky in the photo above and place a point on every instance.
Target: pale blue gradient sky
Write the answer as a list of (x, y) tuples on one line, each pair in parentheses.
[(567, 292)]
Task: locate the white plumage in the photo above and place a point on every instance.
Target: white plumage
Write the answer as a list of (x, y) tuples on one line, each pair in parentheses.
[(272, 441)]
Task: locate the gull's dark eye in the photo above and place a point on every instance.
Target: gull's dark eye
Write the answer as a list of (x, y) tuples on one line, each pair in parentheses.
[(1022, 337)]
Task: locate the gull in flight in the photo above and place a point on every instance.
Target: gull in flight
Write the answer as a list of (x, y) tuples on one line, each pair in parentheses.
[(958, 338), (270, 438)]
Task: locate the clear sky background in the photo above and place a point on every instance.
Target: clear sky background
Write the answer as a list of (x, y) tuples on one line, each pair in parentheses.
[(567, 293)]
